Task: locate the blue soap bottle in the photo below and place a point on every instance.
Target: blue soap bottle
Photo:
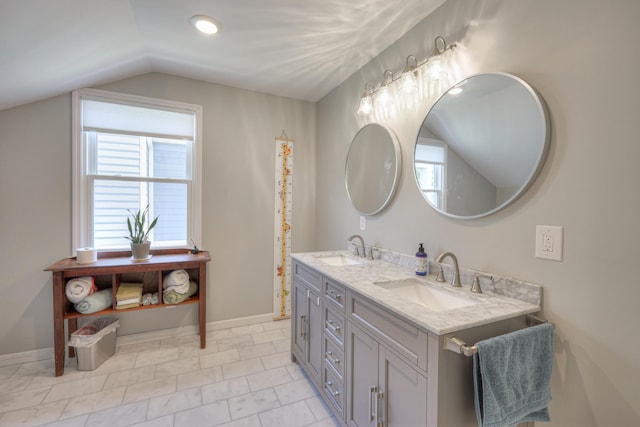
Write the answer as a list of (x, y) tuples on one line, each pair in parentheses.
[(422, 265)]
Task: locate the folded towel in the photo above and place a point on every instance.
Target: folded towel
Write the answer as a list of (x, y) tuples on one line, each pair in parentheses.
[(150, 298), (511, 375), (79, 288), (173, 297), (177, 280), (127, 291), (128, 301), (95, 302)]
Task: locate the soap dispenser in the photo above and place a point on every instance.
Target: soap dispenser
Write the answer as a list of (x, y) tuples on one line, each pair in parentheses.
[(422, 264)]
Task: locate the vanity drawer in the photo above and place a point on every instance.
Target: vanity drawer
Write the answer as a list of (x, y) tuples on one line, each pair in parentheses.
[(334, 325), (404, 337), (333, 388), (334, 356), (334, 293), (309, 277)]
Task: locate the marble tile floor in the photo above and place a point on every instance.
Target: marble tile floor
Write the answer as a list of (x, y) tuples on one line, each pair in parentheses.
[(244, 378)]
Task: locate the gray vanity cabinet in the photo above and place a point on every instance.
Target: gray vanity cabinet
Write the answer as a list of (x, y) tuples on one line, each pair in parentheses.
[(375, 368), (306, 332), (382, 388)]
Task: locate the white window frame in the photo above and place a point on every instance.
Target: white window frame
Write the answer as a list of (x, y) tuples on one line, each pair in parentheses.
[(442, 194), (82, 198)]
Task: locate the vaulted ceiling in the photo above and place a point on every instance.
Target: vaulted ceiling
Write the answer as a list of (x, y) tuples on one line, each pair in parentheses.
[(295, 48)]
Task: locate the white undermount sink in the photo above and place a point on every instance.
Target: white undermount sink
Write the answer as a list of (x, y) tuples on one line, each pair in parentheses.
[(338, 260), (432, 298)]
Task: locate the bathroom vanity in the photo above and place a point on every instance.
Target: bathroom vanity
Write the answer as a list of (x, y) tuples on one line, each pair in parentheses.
[(371, 338)]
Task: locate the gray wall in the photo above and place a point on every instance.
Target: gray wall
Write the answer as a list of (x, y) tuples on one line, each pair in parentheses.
[(238, 202), (581, 57)]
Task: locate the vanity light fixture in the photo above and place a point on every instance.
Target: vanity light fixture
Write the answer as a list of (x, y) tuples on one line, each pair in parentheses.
[(205, 24), (383, 97), (408, 82), (366, 102), (432, 68), (435, 70)]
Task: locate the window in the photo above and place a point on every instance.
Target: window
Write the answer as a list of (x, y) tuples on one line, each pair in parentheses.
[(131, 151), (430, 170)]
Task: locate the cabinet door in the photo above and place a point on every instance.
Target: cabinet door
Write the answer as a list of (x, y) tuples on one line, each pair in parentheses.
[(403, 390), (362, 380), (300, 318), (314, 337)]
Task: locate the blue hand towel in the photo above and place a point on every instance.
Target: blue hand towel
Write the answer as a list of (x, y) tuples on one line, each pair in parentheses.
[(512, 373), (95, 302)]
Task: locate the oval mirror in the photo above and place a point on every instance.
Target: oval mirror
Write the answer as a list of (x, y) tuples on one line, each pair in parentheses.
[(373, 168), (481, 145)]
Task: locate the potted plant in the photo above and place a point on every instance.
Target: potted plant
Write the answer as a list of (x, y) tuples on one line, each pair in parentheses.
[(139, 229)]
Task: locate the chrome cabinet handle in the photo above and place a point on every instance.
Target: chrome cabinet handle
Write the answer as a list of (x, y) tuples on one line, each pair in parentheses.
[(335, 295), (332, 327), (302, 328), (378, 422), (372, 393), (329, 356), (328, 385)]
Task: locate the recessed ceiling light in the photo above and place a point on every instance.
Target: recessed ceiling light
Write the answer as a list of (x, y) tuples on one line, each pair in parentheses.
[(205, 24)]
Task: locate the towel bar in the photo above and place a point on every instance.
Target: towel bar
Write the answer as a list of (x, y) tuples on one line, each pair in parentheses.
[(457, 345)]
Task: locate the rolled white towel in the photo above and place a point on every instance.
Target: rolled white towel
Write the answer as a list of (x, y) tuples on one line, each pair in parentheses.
[(154, 298), (177, 280), (147, 299), (79, 288)]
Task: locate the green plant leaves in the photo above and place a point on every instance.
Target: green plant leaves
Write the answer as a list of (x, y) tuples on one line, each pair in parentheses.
[(137, 231)]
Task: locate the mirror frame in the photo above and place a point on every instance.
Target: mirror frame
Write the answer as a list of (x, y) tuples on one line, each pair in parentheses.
[(396, 173), (543, 113)]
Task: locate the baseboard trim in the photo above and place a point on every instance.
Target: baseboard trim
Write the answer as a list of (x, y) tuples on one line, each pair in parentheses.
[(47, 353), (26, 357)]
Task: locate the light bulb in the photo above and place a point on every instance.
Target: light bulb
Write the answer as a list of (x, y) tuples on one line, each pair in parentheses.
[(408, 83), (383, 96), (205, 24), (366, 105), (436, 70)]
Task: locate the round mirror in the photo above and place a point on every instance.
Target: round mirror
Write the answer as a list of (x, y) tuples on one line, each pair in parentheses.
[(373, 168), (481, 145)]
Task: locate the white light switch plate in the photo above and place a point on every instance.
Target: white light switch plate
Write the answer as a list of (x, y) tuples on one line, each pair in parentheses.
[(363, 223), (549, 242)]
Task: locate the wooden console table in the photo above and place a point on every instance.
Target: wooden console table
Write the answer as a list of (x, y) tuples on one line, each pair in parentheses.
[(109, 269)]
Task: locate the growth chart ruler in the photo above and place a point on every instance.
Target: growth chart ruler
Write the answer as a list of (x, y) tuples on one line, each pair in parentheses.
[(282, 228)]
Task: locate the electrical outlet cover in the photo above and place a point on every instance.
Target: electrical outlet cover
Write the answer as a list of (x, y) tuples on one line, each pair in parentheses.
[(549, 242)]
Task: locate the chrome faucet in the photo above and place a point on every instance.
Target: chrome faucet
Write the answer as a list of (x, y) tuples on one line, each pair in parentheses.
[(364, 250), (455, 280)]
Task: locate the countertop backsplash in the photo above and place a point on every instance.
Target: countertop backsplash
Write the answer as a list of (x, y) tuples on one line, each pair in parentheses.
[(505, 286)]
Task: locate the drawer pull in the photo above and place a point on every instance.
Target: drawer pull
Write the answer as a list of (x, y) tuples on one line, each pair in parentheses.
[(332, 327), (302, 328), (328, 385), (329, 356), (334, 294)]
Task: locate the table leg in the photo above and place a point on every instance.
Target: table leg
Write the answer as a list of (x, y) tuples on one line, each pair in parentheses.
[(72, 325), (58, 323), (202, 306)]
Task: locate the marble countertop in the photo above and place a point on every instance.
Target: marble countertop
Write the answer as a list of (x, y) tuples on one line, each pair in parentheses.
[(361, 278)]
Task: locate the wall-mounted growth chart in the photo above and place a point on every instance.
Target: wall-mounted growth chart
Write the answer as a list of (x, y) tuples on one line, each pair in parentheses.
[(282, 228)]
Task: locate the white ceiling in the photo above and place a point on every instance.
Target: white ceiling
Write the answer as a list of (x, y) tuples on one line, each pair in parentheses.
[(295, 48)]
